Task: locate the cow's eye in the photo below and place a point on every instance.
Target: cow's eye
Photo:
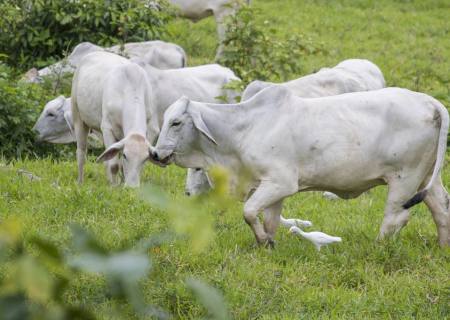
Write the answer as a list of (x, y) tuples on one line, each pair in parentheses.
[(51, 114), (176, 123), (124, 156)]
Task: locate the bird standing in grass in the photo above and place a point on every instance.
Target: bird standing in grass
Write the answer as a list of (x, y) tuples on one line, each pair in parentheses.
[(319, 239)]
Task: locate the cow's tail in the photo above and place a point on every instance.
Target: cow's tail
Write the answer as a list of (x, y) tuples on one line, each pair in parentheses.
[(440, 157)]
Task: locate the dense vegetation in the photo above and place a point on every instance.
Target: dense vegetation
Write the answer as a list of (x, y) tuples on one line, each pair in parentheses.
[(35, 32), (358, 279)]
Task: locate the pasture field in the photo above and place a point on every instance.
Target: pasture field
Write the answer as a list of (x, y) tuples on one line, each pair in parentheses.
[(403, 278)]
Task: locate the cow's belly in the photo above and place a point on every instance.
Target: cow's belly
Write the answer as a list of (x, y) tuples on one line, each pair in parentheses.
[(348, 167), (344, 189), (90, 109)]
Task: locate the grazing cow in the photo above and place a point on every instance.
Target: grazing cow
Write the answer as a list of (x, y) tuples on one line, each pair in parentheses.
[(163, 55), (199, 9), (55, 124), (127, 107), (345, 144), (96, 84), (350, 75)]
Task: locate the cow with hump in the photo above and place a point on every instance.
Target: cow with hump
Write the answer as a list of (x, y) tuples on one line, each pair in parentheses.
[(351, 75), (345, 144)]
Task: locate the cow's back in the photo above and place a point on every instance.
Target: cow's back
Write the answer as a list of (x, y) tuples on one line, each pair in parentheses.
[(202, 83), (339, 140), (88, 82), (366, 72)]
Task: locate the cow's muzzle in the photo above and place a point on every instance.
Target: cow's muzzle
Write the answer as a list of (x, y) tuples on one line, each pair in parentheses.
[(162, 160), (37, 134)]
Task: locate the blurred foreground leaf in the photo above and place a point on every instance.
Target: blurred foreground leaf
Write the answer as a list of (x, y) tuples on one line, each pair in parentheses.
[(188, 217), (210, 298)]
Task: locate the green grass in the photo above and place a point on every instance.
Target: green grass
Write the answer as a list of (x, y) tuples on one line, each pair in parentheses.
[(404, 278)]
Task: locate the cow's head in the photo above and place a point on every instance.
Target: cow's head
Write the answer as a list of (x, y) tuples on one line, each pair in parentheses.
[(197, 182), (55, 122), (135, 150), (179, 139)]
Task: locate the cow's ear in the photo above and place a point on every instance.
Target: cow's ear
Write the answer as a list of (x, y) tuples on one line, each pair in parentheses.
[(111, 152), (201, 125), (68, 117)]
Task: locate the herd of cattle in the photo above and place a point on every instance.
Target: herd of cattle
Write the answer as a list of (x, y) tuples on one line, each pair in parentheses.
[(338, 130)]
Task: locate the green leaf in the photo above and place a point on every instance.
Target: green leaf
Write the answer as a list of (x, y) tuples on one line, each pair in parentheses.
[(48, 248), (35, 280), (128, 266), (210, 298), (83, 241), (14, 307)]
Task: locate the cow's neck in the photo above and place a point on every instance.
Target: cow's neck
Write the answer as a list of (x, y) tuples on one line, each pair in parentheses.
[(134, 118), (228, 124), (156, 78)]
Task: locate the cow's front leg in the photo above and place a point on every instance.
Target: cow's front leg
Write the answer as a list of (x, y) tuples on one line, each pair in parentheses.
[(113, 166), (267, 196), (81, 134), (272, 220)]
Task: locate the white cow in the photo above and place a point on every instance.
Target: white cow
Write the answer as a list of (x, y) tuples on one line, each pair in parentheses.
[(345, 144), (97, 84), (163, 55), (127, 108), (199, 9), (350, 75)]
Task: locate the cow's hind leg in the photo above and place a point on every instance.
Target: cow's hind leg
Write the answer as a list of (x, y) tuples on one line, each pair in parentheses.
[(395, 216), (438, 201), (267, 194)]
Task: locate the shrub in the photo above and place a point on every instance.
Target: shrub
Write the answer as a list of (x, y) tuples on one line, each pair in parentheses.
[(253, 52), (36, 32), (20, 106)]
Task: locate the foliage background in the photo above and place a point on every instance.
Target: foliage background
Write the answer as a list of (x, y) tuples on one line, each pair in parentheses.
[(36, 32)]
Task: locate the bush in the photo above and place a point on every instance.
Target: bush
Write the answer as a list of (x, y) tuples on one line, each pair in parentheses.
[(36, 32), (20, 106), (253, 52)]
